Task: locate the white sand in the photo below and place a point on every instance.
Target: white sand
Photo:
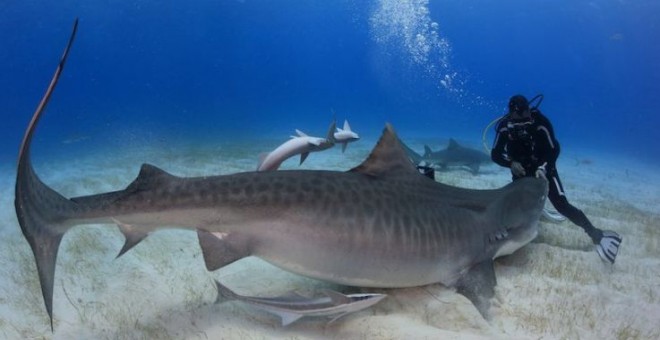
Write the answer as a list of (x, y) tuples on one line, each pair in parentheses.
[(556, 287)]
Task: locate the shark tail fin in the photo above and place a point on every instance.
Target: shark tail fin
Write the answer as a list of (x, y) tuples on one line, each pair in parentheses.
[(427, 151), (42, 212)]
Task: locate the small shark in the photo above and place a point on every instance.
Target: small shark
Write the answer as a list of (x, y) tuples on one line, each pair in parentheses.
[(301, 144), (293, 307), (345, 136), (380, 224), (454, 155)]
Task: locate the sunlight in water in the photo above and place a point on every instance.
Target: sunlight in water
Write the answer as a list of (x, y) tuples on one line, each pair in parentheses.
[(405, 26), (408, 25)]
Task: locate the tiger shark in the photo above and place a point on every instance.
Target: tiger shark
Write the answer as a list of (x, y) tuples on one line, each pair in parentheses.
[(379, 224)]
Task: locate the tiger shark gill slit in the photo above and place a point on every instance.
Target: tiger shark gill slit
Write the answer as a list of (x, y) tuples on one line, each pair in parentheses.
[(380, 224)]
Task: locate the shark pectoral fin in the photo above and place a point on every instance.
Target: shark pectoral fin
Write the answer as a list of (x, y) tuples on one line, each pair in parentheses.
[(220, 250), (478, 285), (288, 317), (132, 236), (343, 146), (303, 157)]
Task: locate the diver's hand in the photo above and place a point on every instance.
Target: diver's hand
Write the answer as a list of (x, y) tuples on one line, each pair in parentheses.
[(517, 169), (541, 172), (608, 247)]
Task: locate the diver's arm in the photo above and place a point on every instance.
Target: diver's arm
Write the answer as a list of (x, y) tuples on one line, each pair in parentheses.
[(546, 142), (498, 153)]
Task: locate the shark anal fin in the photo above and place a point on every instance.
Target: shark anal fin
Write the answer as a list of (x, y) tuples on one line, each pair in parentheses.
[(132, 236), (221, 250), (478, 285)]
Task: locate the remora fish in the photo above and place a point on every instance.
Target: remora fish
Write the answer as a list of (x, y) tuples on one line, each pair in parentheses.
[(345, 136), (380, 224), (291, 308), (301, 144)]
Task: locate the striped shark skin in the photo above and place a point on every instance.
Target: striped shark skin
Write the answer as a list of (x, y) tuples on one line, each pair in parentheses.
[(380, 224), (293, 307)]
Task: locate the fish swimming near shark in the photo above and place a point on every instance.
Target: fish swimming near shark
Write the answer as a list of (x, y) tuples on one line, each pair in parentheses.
[(379, 224), (345, 135), (301, 144), (293, 307), (453, 155)]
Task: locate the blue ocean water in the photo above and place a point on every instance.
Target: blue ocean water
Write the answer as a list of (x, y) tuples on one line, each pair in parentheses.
[(145, 72)]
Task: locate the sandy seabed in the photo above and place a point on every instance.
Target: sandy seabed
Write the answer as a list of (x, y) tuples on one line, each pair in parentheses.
[(556, 287)]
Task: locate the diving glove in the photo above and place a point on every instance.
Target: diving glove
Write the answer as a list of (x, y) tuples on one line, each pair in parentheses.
[(540, 171), (517, 169), (608, 247)]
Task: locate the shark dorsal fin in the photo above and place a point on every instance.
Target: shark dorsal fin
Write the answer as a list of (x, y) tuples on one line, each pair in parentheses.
[(346, 126), (452, 144), (149, 176), (387, 158)]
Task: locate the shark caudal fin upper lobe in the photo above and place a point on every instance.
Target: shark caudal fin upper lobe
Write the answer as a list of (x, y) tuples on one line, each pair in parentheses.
[(42, 213)]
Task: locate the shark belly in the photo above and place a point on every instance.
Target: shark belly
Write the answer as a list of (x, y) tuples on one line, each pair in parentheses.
[(372, 256)]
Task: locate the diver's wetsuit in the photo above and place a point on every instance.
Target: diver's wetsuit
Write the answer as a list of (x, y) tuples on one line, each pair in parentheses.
[(532, 143)]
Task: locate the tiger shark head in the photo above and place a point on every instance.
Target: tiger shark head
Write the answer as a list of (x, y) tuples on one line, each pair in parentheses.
[(521, 211)]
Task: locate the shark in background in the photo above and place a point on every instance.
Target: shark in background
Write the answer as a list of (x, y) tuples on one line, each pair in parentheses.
[(453, 155), (379, 224)]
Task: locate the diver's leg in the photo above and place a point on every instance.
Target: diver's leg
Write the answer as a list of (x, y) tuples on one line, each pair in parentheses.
[(560, 202), (607, 242)]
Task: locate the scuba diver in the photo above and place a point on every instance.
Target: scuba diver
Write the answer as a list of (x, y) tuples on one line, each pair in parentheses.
[(525, 142)]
